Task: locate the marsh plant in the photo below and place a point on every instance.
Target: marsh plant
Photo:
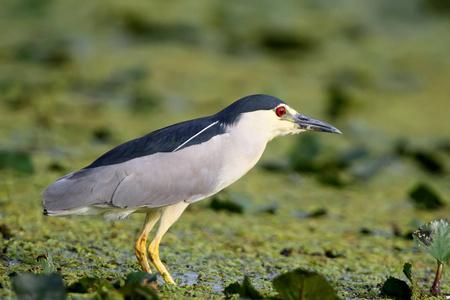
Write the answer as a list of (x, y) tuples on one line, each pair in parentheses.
[(47, 265), (434, 238)]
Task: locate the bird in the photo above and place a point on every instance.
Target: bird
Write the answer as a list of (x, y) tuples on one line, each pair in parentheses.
[(163, 172)]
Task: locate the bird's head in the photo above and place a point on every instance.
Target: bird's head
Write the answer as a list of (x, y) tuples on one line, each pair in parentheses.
[(268, 114)]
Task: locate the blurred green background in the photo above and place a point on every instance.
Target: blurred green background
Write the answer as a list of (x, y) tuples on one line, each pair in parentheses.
[(80, 78)]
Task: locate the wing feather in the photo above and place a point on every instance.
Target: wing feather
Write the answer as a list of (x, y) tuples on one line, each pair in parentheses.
[(152, 181)]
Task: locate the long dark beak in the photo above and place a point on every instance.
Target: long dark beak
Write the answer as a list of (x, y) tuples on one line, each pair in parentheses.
[(311, 124)]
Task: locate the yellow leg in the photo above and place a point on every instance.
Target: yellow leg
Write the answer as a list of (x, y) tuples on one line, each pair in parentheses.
[(153, 254), (169, 215), (141, 244)]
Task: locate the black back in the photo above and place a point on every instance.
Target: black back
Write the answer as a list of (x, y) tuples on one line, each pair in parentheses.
[(172, 137)]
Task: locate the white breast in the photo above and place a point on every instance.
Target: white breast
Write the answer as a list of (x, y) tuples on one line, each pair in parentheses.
[(241, 149)]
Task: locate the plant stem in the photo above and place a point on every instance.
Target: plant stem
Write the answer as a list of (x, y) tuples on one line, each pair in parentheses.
[(436, 288)]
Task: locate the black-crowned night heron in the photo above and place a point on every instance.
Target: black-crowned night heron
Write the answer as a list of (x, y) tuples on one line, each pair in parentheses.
[(163, 172)]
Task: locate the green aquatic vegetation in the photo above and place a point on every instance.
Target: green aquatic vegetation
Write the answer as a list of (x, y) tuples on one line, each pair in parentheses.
[(416, 292), (47, 265), (399, 289), (89, 285), (434, 238), (19, 161), (299, 284), (396, 288), (137, 285), (247, 291), (339, 100), (425, 197), (57, 97), (303, 285), (428, 158), (31, 286), (6, 232), (231, 289), (228, 202)]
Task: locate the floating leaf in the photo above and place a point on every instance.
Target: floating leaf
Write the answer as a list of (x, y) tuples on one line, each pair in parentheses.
[(231, 289), (16, 160), (441, 7), (333, 253), (316, 213), (56, 166), (140, 285), (276, 166), (339, 100), (102, 135), (286, 252), (270, 209), (223, 201), (137, 285), (287, 43), (247, 291), (320, 212), (429, 161), (397, 288), (138, 290), (335, 177), (31, 286), (434, 238), (50, 51), (6, 232), (304, 285), (144, 101), (424, 196), (89, 285), (140, 277)]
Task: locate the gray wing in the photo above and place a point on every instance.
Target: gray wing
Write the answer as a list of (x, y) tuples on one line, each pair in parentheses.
[(152, 181)]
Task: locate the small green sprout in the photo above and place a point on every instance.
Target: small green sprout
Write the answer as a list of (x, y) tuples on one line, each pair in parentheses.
[(46, 262), (434, 238)]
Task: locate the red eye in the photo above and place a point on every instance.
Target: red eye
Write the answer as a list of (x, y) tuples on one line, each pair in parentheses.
[(281, 111)]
